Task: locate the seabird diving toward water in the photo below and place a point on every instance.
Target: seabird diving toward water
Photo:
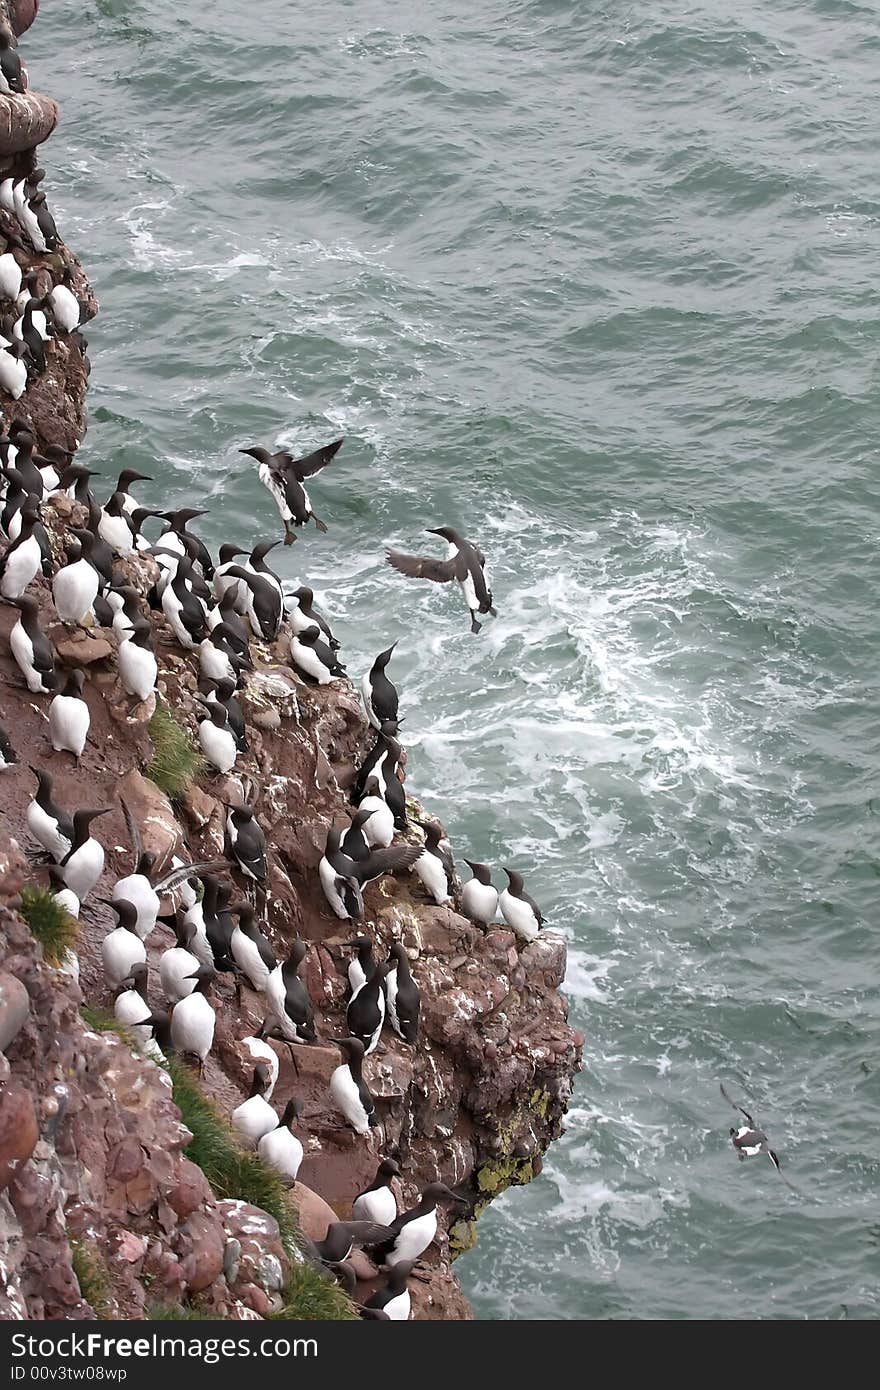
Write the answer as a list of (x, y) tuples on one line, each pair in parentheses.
[(284, 476), (464, 562), (749, 1140)]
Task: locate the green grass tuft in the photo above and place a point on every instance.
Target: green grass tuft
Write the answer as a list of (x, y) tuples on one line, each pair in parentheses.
[(93, 1276), (309, 1294), (176, 760), (177, 1312), (103, 1021), (50, 923), (231, 1171)]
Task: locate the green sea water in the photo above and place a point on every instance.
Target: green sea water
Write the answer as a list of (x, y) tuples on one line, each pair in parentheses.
[(598, 284)]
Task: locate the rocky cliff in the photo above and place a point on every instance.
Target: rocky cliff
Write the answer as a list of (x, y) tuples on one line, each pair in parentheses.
[(95, 1185)]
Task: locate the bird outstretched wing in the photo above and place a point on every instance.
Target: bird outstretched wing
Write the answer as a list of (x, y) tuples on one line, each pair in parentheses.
[(386, 861), (177, 876), (310, 464), (732, 1103), (426, 567)]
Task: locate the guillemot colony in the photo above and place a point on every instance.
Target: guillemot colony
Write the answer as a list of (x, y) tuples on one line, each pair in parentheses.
[(185, 609)]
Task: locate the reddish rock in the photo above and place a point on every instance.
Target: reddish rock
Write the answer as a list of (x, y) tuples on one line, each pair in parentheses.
[(78, 649), (18, 1129), (191, 1191), (153, 814), (201, 1247), (315, 1215), (14, 1008)]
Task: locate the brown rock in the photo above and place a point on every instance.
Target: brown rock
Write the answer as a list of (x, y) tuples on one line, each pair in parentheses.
[(126, 1160), (315, 1215), (19, 1131), (191, 1191), (198, 806), (78, 649), (14, 1008), (202, 1243), (153, 813)]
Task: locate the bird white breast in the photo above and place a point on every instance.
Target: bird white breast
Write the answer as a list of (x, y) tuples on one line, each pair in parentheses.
[(192, 1025), (65, 307), (13, 375), (356, 977), (131, 1010), (328, 876), (277, 492), (21, 567), (29, 224), (247, 957), (138, 890), (50, 477), (38, 321), (379, 829), (84, 868), (236, 588), (380, 1205), (175, 965), (74, 590), (254, 1118), (116, 531), (398, 1308), (518, 916), (10, 273), (260, 1051), (214, 663), (6, 198), (367, 693), (120, 951), (45, 829), (22, 649), (307, 659), (218, 745), (69, 721), (283, 1151), (68, 900), (479, 901), (171, 607), (345, 1095), (122, 624), (433, 876), (469, 591), (138, 670), (414, 1239), (298, 620), (391, 1000)]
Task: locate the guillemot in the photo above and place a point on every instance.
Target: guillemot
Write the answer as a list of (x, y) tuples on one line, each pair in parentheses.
[(348, 1090), (284, 477), (520, 912), (380, 696), (479, 897), (378, 1202), (402, 994), (465, 562), (69, 717)]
